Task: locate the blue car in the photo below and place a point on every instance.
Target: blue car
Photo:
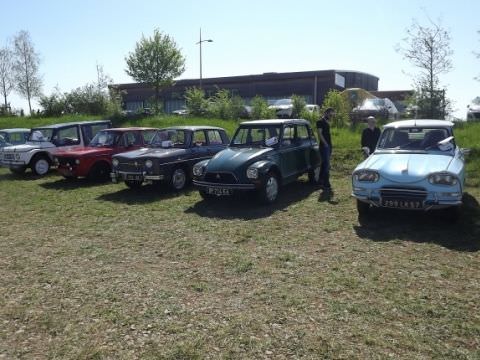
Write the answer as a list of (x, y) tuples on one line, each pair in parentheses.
[(416, 166)]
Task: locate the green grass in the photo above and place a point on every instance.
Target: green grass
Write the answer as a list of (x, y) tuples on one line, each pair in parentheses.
[(98, 271)]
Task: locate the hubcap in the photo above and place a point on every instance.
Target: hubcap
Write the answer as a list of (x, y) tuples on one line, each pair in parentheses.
[(271, 188), (178, 179), (41, 167)]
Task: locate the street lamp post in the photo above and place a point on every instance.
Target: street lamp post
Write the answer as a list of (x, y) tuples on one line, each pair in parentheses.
[(200, 43)]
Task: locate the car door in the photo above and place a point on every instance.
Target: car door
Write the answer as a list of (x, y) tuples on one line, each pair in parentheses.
[(287, 152), (302, 140), (199, 146)]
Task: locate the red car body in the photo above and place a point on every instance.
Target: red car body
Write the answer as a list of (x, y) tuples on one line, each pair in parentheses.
[(95, 160)]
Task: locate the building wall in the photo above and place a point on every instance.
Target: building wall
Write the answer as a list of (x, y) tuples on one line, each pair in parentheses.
[(312, 85)]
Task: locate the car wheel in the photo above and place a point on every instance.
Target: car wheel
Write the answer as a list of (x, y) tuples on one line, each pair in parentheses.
[(40, 165), (363, 208), (270, 189), (178, 179), (133, 184), (18, 170), (99, 172), (314, 175)]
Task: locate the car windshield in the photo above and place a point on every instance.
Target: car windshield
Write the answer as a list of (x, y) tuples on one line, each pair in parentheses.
[(169, 137), (413, 139), (2, 140), (41, 135), (283, 102), (370, 103), (258, 135), (105, 138)]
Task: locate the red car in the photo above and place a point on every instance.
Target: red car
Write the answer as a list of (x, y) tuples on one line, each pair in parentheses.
[(95, 160)]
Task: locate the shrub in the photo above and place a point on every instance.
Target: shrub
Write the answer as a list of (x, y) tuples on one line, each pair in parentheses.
[(195, 101), (260, 109), (298, 103), (225, 106), (335, 100)]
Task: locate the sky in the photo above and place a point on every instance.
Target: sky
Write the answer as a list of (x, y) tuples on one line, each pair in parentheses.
[(249, 37)]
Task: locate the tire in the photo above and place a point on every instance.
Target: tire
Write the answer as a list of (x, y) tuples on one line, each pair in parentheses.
[(270, 189), (133, 184), (99, 172), (179, 179), (363, 208), (314, 175), (18, 170), (40, 165)]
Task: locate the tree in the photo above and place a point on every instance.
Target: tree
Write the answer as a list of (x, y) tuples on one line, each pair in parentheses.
[(156, 61), (260, 109), (26, 62), (428, 49), (334, 99), (6, 74)]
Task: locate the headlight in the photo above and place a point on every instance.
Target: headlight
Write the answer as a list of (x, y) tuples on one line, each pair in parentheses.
[(115, 162), (442, 179), (77, 161), (252, 173), (198, 170), (148, 164), (366, 176), (17, 156)]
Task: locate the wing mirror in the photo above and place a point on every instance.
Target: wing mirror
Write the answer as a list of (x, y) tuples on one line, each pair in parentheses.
[(271, 141), (446, 144)]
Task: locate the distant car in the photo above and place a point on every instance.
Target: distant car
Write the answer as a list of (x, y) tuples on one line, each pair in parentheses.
[(473, 112), (263, 155), (416, 166), (36, 152), (170, 157), (379, 108), (284, 108), (9, 137), (95, 160), (180, 112)]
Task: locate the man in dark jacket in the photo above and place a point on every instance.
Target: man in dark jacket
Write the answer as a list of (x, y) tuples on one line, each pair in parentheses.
[(370, 136), (323, 129)]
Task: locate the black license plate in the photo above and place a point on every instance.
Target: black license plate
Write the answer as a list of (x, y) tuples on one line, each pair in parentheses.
[(218, 191), (402, 204), (134, 177)]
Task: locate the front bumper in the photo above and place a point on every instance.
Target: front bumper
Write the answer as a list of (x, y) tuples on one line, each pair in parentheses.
[(117, 176), (431, 201), (233, 187)]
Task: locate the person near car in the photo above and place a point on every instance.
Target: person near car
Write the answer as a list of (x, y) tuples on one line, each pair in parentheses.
[(323, 130), (370, 136)]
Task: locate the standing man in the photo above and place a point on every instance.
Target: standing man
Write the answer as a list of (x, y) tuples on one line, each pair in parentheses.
[(370, 136), (323, 130)]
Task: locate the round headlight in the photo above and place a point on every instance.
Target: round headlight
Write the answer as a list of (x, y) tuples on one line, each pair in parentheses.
[(77, 161), (148, 163), (197, 170), (115, 162), (252, 173)]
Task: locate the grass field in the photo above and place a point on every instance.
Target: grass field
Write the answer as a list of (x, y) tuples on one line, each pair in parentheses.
[(93, 271)]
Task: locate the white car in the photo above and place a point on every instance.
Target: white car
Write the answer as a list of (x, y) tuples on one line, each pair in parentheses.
[(36, 153), (473, 112), (416, 166), (284, 108)]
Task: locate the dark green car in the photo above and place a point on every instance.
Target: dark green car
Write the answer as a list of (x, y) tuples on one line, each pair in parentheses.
[(263, 155)]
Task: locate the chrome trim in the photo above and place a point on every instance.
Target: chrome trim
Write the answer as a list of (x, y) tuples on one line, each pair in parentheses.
[(224, 186), (154, 177)]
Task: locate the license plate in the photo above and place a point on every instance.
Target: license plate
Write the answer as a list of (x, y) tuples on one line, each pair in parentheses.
[(218, 191), (402, 204), (134, 177)]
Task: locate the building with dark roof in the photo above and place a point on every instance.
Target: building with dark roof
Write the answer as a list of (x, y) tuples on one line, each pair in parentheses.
[(312, 85)]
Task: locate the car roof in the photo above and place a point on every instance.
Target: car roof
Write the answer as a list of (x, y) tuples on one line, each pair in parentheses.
[(192, 128), (419, 123), (15, 130), (133, 128), (56, 126), (275, 122)]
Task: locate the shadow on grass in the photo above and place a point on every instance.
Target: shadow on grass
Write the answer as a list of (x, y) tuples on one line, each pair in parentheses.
[(246, 206), (425, 227), (145, 194), (72, 184), (27, 176)]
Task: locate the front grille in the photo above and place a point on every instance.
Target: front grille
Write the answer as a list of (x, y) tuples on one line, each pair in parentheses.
[(221, 178), (130, 167), (410, 194), (8, 157), (66, 160)]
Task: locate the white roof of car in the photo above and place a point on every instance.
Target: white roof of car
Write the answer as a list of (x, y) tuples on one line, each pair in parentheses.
[(419, 123), (15, 130)]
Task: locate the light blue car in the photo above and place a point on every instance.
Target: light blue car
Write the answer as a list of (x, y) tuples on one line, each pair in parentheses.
[(416, 166)]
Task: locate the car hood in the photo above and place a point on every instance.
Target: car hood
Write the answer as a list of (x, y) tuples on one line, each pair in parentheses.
[(29, 146), (233, 158), (152, 153), (84, 151), (406, 167), (474, 108)]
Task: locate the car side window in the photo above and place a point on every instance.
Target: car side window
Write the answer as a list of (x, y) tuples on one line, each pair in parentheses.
[(67, 136), (302, 133), (288, 135), (199, 138), (132, 138), (148, 135), (16, 138), (214, 137)]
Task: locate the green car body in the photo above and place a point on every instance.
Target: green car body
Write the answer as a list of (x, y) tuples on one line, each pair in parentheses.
[(263, 155)]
